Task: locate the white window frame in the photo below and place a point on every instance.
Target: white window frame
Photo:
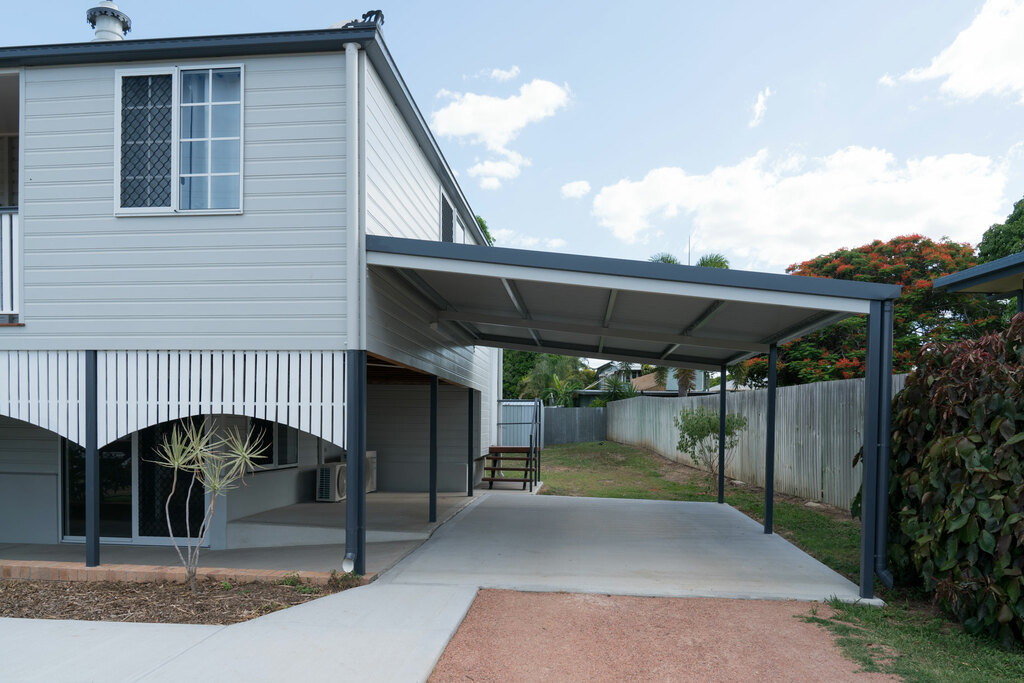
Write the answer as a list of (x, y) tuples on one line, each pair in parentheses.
[(174, 72)]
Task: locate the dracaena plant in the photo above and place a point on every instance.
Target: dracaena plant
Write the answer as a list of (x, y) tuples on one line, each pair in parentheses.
[(216, 464)]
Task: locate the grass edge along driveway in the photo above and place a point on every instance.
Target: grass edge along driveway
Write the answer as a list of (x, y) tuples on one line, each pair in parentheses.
[(908, 637)]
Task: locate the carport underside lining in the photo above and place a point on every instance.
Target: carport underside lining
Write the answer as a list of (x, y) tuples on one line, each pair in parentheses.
[(680, 316)]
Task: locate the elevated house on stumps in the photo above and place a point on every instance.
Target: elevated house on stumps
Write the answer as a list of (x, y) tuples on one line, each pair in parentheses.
[(260, 231)]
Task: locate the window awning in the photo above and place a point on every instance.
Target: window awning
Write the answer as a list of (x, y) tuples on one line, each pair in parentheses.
[(683, 316)]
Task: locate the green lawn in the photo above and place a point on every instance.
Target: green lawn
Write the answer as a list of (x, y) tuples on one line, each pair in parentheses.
[(907, 637)]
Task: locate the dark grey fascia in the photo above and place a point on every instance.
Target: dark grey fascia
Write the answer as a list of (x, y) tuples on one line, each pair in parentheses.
[(105, 52), (977, 277), (640, 269), (248, 44)]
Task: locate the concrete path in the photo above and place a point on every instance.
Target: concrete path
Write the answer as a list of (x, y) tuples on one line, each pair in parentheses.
[(396, 628)]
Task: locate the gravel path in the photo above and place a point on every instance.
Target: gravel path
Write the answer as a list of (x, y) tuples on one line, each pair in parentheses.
[(509, 635)]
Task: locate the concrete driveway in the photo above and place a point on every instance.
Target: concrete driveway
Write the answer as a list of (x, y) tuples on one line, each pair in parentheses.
[(396, 628), (625, 547)]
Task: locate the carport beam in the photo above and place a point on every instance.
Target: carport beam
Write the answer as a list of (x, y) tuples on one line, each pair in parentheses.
[(721, 437), (470, 396), (769, 441), (433, 449), (92, 465)]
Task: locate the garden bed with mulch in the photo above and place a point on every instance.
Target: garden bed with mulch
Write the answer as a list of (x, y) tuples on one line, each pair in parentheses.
[(215, 602)]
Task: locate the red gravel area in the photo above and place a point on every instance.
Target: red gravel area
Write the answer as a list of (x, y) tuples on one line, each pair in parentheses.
[(509, 635)]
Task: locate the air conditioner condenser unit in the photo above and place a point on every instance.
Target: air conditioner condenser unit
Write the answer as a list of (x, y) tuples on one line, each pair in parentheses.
[(330, 482)]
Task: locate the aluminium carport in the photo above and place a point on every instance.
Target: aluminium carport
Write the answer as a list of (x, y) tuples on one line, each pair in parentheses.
[(679, 316)]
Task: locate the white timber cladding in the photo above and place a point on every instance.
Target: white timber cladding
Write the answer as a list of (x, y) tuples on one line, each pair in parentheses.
[(138, 389), (270, 278), (402, 191), (398, 327), (401, 326), (398, 429)]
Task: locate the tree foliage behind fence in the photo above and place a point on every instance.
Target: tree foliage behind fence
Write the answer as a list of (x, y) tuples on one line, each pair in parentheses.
[(819, 427)]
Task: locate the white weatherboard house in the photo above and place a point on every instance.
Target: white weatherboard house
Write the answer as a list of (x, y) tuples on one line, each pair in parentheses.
[(193, 212), (261, 229)]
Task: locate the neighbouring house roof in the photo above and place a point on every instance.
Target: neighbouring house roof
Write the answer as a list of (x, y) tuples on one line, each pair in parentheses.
[(635, 311), (1002, 276), (366, 34), (648, 382)]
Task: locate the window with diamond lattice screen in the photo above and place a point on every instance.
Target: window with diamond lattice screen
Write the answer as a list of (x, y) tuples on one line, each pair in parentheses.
[(147, 110)]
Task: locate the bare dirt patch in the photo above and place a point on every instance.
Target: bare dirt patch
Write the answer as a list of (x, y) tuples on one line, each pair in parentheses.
[(161, 603), (580, 637)]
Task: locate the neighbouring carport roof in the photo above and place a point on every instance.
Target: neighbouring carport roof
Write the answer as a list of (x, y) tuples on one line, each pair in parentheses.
[(1002, 276), (639, 311)]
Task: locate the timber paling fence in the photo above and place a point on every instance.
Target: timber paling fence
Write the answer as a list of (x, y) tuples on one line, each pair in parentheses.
[(819, 427), (574, 425)]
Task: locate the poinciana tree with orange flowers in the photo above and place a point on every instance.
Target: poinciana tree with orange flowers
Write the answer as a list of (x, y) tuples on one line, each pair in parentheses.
[(920, 315)]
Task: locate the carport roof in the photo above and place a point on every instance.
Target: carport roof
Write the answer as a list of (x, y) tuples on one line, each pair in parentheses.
[(684, 316), (1001, 276)]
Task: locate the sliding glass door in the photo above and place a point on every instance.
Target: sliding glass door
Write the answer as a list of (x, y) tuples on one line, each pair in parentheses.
[(133, 492), (154, 485), (115, 490)]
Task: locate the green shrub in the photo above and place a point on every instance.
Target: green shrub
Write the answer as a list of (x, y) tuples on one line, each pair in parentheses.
[(957, 488), (698, 436)]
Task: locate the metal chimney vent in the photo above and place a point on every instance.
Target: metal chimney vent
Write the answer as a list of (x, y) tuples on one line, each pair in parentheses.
[(109, 21)]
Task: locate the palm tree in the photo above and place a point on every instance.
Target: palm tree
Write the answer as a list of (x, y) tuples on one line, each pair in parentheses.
[(561, 392), (684, 376), (616, 389), (664, 257), (713, 261), (548, 366)]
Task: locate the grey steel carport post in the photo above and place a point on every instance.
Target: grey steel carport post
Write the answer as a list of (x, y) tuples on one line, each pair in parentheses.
[(874, 498), (884, 442), (355, 457), (721, 437), (433, 449), (92, 465), (769, 441), (470, 455)]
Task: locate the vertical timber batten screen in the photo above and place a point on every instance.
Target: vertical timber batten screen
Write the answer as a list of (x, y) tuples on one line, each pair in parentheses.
[(137, 389), (820, 427)]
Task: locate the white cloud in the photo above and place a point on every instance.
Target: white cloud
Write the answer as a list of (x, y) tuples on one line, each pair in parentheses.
[(760, 106), (576, 189), (504, 74), (510, 238), (986, 58), (494, 122), (886, 80), (774, 212)]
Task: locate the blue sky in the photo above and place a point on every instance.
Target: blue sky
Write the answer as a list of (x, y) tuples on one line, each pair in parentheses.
[(876, 118)]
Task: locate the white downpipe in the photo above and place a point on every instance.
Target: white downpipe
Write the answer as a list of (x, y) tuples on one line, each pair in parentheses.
[(353, 249)]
